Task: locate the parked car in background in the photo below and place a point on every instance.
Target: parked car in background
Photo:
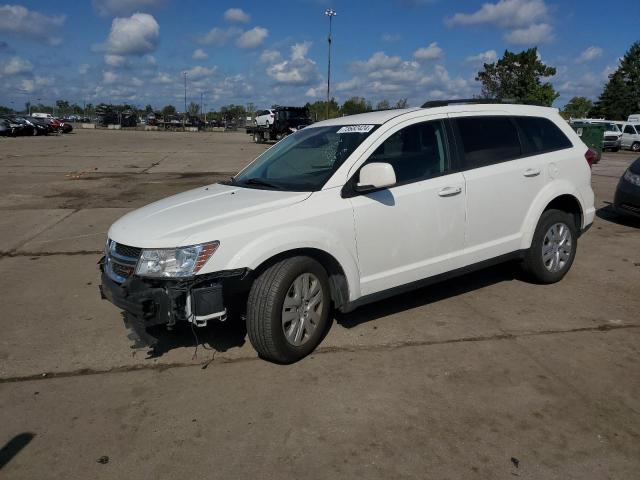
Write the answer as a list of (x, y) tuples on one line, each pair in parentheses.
[(265, 118), (627, 197), (5, 128), (41, 115), (19, 127), (353, 210), (634, 118), (631, 136)]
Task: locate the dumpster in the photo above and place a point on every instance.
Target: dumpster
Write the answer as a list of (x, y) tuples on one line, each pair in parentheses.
[(592, 135)]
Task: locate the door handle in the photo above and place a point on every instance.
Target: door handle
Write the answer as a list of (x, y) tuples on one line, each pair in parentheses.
[(449, 191), (531, 172)]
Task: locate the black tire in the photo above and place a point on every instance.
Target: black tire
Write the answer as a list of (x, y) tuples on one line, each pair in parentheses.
[(264, 310), (533, 263), (615, 149), (635, 147)]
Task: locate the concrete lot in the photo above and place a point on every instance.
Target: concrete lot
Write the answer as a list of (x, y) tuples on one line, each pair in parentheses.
[(451, 381)]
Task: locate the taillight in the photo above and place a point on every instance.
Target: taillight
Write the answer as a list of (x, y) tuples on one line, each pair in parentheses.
[(591, 157)]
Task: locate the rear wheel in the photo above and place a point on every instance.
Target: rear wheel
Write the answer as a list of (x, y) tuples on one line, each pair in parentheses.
[(553, 247), (288, 309), (635, 147)]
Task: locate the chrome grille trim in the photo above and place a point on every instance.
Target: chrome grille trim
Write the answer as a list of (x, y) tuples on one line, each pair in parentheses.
[(121, 260)]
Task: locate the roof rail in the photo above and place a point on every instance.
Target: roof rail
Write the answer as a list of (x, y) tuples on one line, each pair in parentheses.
[(477, 101)]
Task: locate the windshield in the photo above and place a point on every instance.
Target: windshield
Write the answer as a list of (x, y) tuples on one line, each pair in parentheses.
[(305, 160)]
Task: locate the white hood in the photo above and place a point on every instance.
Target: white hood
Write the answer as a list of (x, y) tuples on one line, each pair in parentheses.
[(171, 221)]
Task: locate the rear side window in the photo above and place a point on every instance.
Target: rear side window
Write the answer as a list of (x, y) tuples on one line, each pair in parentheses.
[(488, 140), (540, 135)]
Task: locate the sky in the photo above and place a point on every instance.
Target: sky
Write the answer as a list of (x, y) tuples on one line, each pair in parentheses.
[(275, 52)]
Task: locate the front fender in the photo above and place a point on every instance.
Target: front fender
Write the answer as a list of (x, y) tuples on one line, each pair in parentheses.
[(550, 192), (269, 244)]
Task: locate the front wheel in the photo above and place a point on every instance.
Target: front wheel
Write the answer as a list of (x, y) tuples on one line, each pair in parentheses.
[(553, 247), (288, 309), (635, 147)]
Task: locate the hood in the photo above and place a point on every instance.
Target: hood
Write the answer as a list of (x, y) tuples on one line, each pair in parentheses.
[(635, 167), (171, 221)]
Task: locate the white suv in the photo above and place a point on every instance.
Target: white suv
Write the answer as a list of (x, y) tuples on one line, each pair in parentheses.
[(265, 118), (352, 210)]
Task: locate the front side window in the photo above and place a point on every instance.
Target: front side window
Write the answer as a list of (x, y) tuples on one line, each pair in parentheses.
[(416, 152), (541, 135), (305, 160), (488, 140), (629, 129)]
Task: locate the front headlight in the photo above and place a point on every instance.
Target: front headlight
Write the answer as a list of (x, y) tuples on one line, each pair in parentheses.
[(632, 177), (175, 262)]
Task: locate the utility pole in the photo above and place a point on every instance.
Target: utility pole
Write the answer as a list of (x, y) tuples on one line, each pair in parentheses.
[(201, 103), (184, 115), (329, 12)]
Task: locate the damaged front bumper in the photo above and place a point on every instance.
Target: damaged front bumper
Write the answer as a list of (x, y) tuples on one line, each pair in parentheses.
[(152, 302)]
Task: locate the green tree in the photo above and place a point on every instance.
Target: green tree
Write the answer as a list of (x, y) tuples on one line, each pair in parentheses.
[(168, 110), (62, 107), (621, 94), (518, 77), (577, 107), (148, 109), (355, 105), (402, 103), (383, 105), (318, 110), (193, 109)]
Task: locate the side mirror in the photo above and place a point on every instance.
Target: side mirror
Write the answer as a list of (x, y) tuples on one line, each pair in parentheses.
[(376, 175)]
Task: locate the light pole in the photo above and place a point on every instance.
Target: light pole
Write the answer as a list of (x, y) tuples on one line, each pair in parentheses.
[(184, 115), (329, 12)]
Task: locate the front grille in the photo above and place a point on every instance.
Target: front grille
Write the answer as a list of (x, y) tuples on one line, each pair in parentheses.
[(610, 138), (121, 261), (127, 251)]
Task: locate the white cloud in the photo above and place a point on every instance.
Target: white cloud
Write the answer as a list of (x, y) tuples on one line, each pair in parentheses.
[(236, 15), (252, 38), (114, 60), (16, 66), (589, 54), (218, 36), (504, 13), (83, 68), (432, 52), (31, 85), (199, 54), (270, 56), (377, 61), (199, 72), (391, 37), (297, 70), (534, 34), (109, 77), (490, 56), (22, 22), (109, 8), (164, 78), (134, 35)]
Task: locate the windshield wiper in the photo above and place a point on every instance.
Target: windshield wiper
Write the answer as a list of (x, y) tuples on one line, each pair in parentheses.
[(259, 181)]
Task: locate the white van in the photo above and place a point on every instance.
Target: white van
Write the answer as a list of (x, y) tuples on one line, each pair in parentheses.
[(634, 118), (42, 115), (631, 136)]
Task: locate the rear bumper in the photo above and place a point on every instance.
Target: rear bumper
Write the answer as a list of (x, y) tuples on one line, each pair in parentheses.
[(627, 199)]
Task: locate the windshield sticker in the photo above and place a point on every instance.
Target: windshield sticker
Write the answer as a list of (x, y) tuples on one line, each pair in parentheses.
[(356, 129)]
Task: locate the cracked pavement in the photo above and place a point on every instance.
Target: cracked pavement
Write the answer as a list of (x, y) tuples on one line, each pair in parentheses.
[(450, 381)]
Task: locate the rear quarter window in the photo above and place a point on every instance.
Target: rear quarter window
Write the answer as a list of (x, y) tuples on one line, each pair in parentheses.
[(541, 135)]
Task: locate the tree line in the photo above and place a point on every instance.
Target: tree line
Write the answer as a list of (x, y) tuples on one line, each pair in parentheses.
[(518, 77)]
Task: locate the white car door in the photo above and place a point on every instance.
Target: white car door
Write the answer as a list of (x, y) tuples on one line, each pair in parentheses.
[(414, 229), (628, 134), (505, 161)]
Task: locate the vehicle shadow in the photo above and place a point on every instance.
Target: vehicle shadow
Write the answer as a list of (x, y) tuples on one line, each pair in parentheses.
[(14, 446), (609, 214), (436, 292), (217, 336)]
